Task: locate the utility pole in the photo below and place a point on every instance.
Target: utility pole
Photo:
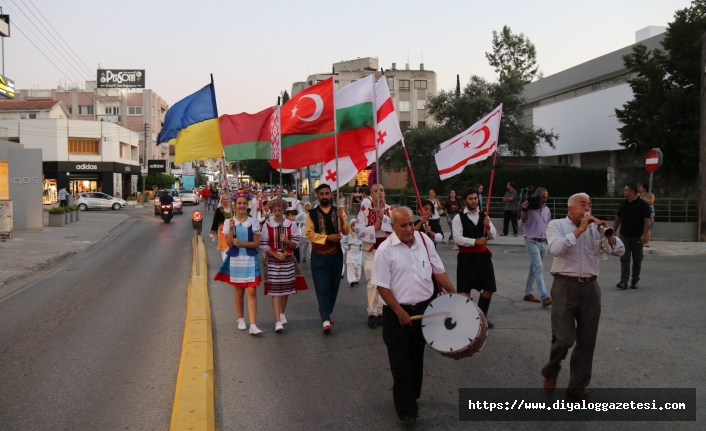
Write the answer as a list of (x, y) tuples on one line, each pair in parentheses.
[(144, 160), (702, 145)]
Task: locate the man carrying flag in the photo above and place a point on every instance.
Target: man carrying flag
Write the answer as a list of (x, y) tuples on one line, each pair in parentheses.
[(472, 227), (191, 125)]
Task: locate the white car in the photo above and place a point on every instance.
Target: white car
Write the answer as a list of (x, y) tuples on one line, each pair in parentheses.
[(189, 196), (98, 200)]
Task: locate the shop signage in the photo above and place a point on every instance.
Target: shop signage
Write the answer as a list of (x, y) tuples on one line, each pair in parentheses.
[(156, 166), (79, 167), (7, 87), (121, 78), (4, 182)]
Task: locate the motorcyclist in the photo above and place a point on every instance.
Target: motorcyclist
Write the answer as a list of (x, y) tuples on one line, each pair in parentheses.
[(166, 199)]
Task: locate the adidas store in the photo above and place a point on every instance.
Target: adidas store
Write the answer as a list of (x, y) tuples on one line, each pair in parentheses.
[(112, 178)]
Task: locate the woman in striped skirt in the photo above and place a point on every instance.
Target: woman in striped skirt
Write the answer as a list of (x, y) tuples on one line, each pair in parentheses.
[(278, 240)]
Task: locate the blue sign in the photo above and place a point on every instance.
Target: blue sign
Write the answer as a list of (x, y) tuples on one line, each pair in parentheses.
[(189, 181)]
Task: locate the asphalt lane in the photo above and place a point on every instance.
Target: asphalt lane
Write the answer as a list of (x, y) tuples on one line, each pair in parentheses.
[(302, 379), (96, 344)]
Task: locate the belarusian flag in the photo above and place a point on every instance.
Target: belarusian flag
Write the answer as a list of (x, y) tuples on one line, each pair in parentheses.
[(387, 134), (354, 126), (247, 136)]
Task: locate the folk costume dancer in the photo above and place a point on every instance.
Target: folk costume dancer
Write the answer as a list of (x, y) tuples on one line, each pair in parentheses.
[(255, 206), (322, 229), (354, 256), (373, 228), (222, 214), (575, 243), (304, 244), (279, 237), (475, 266), (240, 267), (402, 272)]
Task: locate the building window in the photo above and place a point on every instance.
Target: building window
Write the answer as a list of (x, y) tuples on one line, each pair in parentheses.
[(404, 125), (32, 116), (85, 110), (134, 110), (391, 83), (112, 110), (404, 84), (421, 104), (404, 105), (83, 146), (420, 85), (421, 124), (68, 108)]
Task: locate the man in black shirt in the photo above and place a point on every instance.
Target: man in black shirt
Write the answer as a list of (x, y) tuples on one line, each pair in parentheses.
[(634, 218)]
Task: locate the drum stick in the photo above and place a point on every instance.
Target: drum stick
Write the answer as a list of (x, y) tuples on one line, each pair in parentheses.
[(421, 316)]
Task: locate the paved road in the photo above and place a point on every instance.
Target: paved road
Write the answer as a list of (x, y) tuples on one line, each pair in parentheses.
[(96, 344), (303, 380)]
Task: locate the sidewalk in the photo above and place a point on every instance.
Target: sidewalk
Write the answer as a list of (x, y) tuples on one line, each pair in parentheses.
[(28, 251)]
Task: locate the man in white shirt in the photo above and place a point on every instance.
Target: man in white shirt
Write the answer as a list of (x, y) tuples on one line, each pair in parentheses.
[(402, 274), (575, 243), (296, 204), (63, 194), (472, 229)]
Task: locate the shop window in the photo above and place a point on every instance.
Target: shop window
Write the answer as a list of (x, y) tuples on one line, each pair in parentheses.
[(83, 146)]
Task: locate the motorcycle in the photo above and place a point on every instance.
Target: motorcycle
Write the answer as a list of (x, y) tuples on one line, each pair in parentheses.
[(167, 212)]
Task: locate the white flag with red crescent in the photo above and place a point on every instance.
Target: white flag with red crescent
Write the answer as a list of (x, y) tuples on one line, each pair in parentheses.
[(387, 134), (475, 144)]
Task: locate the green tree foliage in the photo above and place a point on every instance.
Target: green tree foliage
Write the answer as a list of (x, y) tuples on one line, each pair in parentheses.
[(162, 181), (664, 112), (260, 170), (285, 96), (513, 54)]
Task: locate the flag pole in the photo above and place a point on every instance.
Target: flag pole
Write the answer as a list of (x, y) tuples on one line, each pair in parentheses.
[(375, 129), (279, 132), (411, 174), (335, 144), (490, 188)]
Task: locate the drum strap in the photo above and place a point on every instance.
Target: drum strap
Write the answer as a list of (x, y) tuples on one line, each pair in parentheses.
[(438, 286)]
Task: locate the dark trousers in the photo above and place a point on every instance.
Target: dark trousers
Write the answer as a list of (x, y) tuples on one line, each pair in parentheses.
[(576, 311), (326, 272), (62, 203), (510, 216), (633, 248), (296, 254), (405, 350)]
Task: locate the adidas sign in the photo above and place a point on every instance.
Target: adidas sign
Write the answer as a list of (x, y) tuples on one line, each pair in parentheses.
[(86, 166)]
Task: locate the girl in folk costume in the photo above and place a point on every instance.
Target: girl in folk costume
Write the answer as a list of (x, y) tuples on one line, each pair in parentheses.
[(240, 267), (279, 237), (222, 215), (354, 255), (305, 244)]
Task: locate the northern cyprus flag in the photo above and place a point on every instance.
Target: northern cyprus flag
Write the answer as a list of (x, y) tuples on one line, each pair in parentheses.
[(387, 134)]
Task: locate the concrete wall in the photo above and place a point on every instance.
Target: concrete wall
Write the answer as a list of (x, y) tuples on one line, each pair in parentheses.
[(675, 231)]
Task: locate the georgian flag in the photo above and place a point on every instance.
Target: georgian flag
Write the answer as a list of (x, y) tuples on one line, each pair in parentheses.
[(387, 134), (475, 144)]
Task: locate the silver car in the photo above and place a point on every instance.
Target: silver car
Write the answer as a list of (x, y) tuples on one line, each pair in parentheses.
[(189, 196), (98, 200)]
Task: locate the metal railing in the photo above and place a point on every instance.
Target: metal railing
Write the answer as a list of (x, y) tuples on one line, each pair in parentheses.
[(667, 210)]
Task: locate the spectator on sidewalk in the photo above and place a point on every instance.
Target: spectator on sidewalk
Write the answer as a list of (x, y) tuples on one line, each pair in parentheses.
[(451, 207), (535, 222), (63, 196), (510, 200), (634, 220), (649, 199), (479, 188)]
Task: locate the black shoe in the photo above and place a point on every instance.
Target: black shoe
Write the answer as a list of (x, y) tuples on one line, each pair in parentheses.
[(372, 322), (633, 285), (490, 325), (622, 285), (352, 284), (408, 421), (379, 320)]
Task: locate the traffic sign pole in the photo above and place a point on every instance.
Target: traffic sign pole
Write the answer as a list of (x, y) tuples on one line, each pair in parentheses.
[(652, 162)]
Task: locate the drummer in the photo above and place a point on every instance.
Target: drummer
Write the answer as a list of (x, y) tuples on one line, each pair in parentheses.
[(402, 272)]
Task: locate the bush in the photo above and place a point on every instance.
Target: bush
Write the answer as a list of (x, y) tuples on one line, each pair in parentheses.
[(71, 208), (55, 211)]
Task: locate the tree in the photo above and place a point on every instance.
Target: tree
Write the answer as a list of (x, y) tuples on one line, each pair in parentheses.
[(513, 54), (285, 96), (162, 181), (664, 112)]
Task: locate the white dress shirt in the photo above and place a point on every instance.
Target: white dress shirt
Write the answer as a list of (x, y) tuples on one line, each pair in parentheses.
[(457, 227), (406, 271), (576, 257)]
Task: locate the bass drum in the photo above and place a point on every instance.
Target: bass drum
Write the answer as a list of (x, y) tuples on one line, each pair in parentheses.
[(456, 327)]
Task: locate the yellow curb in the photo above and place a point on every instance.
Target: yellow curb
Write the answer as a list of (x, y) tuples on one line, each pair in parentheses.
[(194, 408)]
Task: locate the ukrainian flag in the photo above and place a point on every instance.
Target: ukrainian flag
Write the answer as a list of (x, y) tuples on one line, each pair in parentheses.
[(191, 125)]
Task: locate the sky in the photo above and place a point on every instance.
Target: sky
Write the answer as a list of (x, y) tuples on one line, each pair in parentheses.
[(256, 49)]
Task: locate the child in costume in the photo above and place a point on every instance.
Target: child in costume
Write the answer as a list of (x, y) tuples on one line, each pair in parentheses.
[(354, 255)]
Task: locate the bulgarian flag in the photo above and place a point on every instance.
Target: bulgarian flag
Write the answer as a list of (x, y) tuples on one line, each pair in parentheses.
[(308, 127), (387, 134), (247, 136)]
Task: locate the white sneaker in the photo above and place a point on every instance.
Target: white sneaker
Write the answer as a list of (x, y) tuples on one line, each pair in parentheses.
[(278, 327), (241, 324), (282, 319), (254, 330)]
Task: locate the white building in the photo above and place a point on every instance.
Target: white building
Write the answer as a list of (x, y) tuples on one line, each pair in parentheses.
[(82, 155)]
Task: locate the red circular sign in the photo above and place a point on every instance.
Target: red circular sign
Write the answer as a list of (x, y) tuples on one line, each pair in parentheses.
[(196, 216), (652, 161)]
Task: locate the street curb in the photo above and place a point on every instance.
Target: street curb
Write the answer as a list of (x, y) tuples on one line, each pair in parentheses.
[(194, 407)]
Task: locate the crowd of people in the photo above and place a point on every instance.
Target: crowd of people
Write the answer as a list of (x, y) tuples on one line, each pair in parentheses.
[(397, 254)]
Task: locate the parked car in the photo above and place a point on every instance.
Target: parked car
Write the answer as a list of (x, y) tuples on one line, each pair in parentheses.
[(177, 201), (97, 200), (188, 195)]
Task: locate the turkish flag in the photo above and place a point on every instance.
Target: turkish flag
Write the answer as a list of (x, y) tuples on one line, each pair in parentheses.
[(310, 112), (473, 145)]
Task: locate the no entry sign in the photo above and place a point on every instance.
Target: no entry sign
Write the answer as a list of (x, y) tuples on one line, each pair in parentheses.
[(653, 160), (197, 216)]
